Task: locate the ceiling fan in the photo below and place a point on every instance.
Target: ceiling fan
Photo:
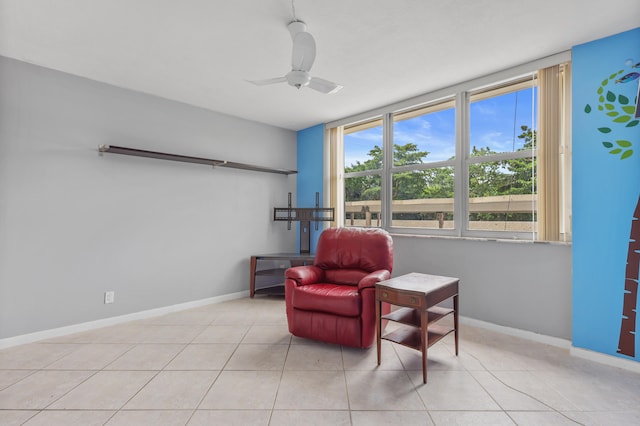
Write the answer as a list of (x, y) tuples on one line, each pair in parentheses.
[(304, 54)]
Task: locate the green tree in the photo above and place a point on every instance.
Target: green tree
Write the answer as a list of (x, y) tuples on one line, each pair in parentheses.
[(503, 177), (439, 183), (508, 177), (523, 169), (485, 179), (406, 185)]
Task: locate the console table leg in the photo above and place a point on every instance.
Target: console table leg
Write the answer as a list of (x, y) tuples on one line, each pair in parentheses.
[(455, 321), (424, 342), (378, 327), (252, 277)]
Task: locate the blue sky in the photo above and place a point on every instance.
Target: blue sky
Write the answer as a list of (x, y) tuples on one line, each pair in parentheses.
[(492, 125)]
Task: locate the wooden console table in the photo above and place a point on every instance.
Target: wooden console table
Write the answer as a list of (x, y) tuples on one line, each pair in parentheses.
[(271, 274), (418, 295)]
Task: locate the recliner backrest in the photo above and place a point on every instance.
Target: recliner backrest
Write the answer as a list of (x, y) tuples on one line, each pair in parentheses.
[(366, 249)]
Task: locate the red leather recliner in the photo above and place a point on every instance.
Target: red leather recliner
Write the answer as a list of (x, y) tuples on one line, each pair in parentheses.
[(333, 300)]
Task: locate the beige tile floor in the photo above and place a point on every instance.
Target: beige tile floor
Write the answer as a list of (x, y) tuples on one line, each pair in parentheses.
[(236, 363)]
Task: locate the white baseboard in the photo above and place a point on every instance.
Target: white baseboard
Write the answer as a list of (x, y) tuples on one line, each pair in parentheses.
[(610, 360), (529, 335), (92, 325)]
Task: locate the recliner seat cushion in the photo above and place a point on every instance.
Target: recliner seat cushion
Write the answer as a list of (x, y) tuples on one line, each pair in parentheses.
[(335, 299)]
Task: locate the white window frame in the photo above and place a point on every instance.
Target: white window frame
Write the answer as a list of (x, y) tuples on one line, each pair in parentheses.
[(419, 167), (462, 157), (523, 81)]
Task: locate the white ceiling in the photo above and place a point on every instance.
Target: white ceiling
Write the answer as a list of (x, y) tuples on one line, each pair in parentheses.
[(382, 51)]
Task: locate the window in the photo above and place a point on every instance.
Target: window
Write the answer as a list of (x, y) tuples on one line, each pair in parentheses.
[(422, 173), (501, 161), (363, 174), (482, 159)]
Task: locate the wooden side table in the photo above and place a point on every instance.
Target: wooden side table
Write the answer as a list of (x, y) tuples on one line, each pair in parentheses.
[(418, 295), (277, 274)]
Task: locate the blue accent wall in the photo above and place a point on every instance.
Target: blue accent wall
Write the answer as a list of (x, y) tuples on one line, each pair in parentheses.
[(310, 175), (606, 185)]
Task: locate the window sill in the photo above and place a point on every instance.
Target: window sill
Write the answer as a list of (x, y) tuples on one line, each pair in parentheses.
[(482, 239)]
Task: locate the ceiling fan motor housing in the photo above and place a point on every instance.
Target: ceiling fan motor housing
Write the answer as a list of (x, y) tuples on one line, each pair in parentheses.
[(298, 78), (296, 27)]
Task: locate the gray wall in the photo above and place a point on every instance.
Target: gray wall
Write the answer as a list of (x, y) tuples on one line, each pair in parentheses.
[(522, 285), (74, 224)]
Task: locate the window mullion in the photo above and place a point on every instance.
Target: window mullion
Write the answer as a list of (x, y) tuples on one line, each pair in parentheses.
[(461, 173), (387, 164)]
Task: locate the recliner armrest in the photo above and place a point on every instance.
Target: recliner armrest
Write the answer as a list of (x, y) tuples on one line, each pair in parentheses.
[(374, 277), (303, 275)]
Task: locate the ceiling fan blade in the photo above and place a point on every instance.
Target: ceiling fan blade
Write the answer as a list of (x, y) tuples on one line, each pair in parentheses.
[(304, 52), (324, 86), (268, 81)]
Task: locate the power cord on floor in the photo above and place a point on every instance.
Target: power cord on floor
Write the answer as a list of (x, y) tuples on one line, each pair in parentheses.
[(523, 392)]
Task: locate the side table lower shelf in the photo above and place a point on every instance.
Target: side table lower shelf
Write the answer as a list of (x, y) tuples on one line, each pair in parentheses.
[(411, 336)]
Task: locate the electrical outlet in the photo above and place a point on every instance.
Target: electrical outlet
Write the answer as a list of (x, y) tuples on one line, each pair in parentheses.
[(109, 296)]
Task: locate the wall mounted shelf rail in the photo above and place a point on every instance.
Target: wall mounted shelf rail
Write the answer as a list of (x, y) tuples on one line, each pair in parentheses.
[(187, 159)]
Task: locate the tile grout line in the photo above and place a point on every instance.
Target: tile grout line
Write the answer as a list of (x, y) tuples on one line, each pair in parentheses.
[(157, 372), (346, 386), (204, 395), (275, 399)]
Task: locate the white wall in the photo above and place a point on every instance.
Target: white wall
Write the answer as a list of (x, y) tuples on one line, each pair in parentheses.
[(74, 224), (522, 285)]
